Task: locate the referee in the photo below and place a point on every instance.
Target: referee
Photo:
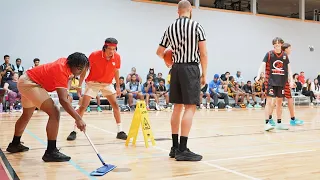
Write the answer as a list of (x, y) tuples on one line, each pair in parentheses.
[(188, 43)]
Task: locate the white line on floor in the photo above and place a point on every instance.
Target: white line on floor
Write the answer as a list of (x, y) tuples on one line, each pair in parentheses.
[(218, 167), (261, 155)]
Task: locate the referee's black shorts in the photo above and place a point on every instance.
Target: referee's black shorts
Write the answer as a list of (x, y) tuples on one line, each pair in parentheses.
[(185, 84)]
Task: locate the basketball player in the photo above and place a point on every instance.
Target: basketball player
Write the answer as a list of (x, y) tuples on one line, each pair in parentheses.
[(34, 87), (104, 67), (188, 52), (277, 67), (286, 47)]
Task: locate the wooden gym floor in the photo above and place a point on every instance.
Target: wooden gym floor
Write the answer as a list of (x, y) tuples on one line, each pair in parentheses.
[(233, 144)]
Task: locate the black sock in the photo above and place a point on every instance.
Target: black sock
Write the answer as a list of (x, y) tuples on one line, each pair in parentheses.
[(183, 143), (175, 142), (52, 145), (279, 121), (293, 118), (16, 140), (270, 116), (267, 121)]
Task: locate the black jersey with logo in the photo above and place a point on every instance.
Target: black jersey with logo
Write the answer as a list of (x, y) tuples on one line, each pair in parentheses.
[(276, 68)]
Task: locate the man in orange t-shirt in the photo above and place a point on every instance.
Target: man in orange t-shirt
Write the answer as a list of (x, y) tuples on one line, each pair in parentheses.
[(34, 87), (104, 67)]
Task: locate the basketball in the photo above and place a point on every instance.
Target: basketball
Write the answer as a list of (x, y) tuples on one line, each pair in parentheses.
[(168, 57)]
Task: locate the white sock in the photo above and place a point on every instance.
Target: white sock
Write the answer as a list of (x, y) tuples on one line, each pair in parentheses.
[(119, 125)]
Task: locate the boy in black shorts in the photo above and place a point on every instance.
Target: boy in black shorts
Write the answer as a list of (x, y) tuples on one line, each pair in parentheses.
[(276, 67)]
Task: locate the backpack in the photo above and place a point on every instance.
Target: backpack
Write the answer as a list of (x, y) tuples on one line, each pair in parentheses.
[(221, 105)]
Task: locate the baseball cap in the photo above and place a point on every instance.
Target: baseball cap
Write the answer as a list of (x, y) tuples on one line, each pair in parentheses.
[(216, 76)]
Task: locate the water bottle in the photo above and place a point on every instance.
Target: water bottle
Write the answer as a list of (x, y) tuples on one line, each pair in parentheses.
[(1, 107)]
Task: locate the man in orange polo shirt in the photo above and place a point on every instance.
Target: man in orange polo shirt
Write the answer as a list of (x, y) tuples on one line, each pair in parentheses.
[(104, 66), (34, 87)]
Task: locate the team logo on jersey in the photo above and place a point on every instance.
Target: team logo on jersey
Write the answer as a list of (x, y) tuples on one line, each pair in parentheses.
[(271, 92), (113, 63), (278, 68), (284, 57)]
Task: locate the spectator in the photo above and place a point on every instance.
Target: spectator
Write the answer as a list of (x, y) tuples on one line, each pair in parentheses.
[(239, 79), (234, 92), (98, 105), (298, 84), (13, 93), (6, 70), (301, 78), (134, 72), (168, 80), (152, 74), (258, 90), (122, 89), (315, 87), (134, 90), (161, 91), (205, 94), (249, 93), (158, 79), (36, 62), (18, 68), (225, 78), (150, 92), (74, 83), (215, 94), (306, 90)]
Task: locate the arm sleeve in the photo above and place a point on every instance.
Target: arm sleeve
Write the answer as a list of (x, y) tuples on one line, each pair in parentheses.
[(201, 33), (164, 40)]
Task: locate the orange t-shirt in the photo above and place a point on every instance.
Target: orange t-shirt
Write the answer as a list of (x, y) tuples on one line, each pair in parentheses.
[(52, 75), (101, 69)]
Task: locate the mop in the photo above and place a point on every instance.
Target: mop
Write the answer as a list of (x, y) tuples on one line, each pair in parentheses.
[(103, 169)]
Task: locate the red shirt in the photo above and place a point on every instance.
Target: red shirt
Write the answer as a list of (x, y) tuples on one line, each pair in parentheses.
[(101, 69), (52, 75), (301, 79)]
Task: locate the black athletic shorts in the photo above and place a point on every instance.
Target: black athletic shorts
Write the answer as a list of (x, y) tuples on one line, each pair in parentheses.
[(185, 84), (275, 91)]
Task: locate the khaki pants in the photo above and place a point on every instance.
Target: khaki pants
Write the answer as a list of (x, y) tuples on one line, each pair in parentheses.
[(93, 88), (32, 94)]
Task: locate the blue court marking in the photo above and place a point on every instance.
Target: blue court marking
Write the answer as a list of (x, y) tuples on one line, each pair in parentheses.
[(75, 165)]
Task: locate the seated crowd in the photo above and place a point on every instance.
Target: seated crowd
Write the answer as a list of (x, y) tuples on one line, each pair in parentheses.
[(155, 90)]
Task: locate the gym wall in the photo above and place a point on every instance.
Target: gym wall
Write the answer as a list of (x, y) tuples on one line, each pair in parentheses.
[(52, 29)]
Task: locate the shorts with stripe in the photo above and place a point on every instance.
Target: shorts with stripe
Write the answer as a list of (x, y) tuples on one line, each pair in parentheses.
[(287, 91)]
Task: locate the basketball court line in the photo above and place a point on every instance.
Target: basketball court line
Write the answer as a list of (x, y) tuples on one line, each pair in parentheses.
[(218, 167), (261, 155), (7, 166), (75, 165), (209, 164)]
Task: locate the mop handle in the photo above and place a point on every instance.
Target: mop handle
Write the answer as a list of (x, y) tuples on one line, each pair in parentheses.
[(91, 143), (95, 149)]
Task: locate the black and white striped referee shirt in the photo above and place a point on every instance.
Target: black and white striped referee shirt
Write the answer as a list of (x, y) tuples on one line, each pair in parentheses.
[(183, 36)]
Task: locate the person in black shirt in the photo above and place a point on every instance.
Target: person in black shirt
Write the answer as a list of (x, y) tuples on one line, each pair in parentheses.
[(277, 69), (248, 89), (122, 89), (162, 91), (18, 68), (204, 94), (158, 79), (6, 70)]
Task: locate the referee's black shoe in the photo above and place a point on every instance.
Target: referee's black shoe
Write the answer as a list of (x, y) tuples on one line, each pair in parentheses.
[(187, 155), (172, 153), (55, 156)]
